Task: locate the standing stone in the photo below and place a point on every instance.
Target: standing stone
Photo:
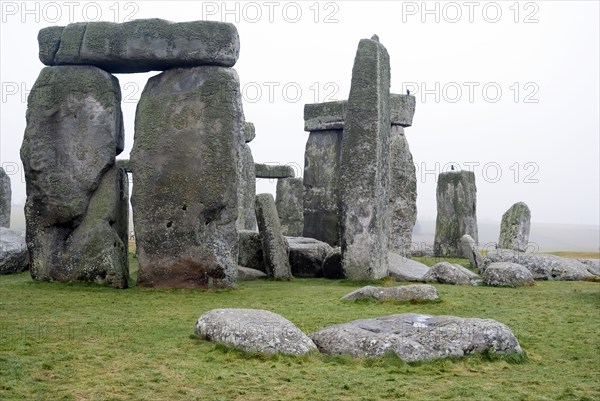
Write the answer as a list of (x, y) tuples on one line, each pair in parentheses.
[(402, 192), (514, 229), (247, 190), (276, 260), (365, 167), (456, 212), (188, 134), (74, 202), (471, 251), (5, 199), (289, 202)]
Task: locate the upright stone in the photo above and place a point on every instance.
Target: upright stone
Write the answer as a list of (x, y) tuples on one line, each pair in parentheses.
[(5, 199), (276, 260), (289, 202), (188, 135), (247, 190), (402, 192), (74, 209), (514, 229), (471, 251), (365, 167), (456, 212)]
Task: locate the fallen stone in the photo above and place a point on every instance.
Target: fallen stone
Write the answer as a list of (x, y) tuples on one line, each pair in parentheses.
[(250, 251), (412, 292), (447, 273), (14, 257), (325, 116), (471, 251), (248, 274), (592, 264), (514, 228), (507, 274), (307, 256), (416, 337), (332, 265), (274, 171), (249, 132), (5, 199), (404, 269), (246, 190), (276, 260), (289, 203), (253, 330), (402, 109), (140, 45)]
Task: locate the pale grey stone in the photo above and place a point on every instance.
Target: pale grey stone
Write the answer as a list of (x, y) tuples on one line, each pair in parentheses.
[(447, 273), (14, 257), (471, 251), (274, 171), (592, 264), (248, 274), (289, 203), (253, 330), (307, 256), (250, 250), (249, 132), (411, 292), (5, 199), (404, 269), (514, 228), (402, 109), (246, 190), (507, 274), (274, 245)]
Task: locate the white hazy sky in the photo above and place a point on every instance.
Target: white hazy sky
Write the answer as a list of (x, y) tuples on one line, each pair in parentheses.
[(508, 89)]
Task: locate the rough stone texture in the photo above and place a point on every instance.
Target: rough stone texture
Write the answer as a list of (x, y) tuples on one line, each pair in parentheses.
[(456, 212), (74, 209), (471, 251), (402, 192), (14, 257), (541, 266), (307, 256), (593, 265), (253, 330), (412, 292), (289, 203), (416, 337), (332, 265), (403, 269), (185, 158), (251, 254), (506, 274), (365, 166), (274, 246), (325, 116), (5, 199), (140, 45), (249, 132), (447, 273), (321, 186), (402, 109), (248, 274), (246, 190), (514, 228), (274, 171)]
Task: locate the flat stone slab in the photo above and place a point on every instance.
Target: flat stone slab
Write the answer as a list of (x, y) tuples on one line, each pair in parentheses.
[(403, 269), (448, 273), (14, 257), (412, 292), (141, 45), (273, 171), (402, 109), (416, 337), (253, 330), (507, 274), (248, 274), (307, 256)]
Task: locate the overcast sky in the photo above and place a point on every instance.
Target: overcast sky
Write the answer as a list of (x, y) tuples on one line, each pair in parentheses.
[(509, 90)]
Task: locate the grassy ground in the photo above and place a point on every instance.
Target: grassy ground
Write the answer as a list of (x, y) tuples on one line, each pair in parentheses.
[(85, 342), (577, 255)]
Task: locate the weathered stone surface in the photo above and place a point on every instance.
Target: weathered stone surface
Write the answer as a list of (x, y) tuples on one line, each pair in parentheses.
[(248, 274), (14, 257), (403, 269), (416, 337), (507, 274), (249, 132), (251, 254), (456, 212), (253, 330), (185, 189), (412, 292), (246, 190), (447, 273), (332, 265), (364, 180), (5, 199), (593, 265), (140, 45), (402, 109), (307, 256), (274, 171), (274, 246), (289, 203), (74, 193), (471, 251), (514, 228), (402, 192), (541, 266), (325, 116), (321, 186), (124, 164)]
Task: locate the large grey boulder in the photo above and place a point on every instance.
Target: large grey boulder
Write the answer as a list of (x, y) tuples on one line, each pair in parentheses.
[(404, 269), (456, 212), (289, 203), (402, 192), (471, 251), (447, 273), (250, 250), (253, 330), (541, 266), (248, 274), (332, 265), (14, 257), (307, 256), (416, 337), (364, 177), (5, 199), (75, 208), (412, 292), (507, 274), (321, 185), (514, 228), (274, 171), (593, 265), (140, 45), (274, 246), (246, 190), (189, 130)]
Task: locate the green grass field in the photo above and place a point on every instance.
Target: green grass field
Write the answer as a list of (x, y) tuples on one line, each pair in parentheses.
[(86, 342)]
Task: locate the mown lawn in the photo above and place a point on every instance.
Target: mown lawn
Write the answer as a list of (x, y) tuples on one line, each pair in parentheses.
[(86, 342)]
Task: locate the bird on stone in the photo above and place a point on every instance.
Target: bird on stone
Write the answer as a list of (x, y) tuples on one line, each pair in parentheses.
[(375, 38), (408, 92), (452, 167)]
